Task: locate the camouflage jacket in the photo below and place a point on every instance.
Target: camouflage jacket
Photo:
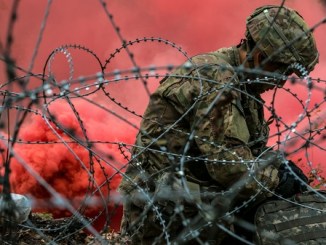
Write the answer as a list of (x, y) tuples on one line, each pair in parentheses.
[(182, 125)]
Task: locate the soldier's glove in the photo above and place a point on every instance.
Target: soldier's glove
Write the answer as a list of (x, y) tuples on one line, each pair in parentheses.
[(268, 165), (289, 183), (272, 158), (268, 176)]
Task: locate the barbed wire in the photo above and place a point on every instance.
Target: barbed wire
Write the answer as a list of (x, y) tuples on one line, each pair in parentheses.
[(66, 143)]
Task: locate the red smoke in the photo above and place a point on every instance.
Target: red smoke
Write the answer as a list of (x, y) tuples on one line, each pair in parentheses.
[(61, 165), (196, 26)]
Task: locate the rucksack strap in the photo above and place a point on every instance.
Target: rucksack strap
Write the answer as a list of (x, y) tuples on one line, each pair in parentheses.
[(299, 222), (308, 236)]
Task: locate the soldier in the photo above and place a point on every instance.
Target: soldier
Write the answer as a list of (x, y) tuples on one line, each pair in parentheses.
[(201, 149)]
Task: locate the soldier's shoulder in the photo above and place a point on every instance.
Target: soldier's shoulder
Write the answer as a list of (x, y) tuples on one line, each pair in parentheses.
[(205, 67), (212, 58)]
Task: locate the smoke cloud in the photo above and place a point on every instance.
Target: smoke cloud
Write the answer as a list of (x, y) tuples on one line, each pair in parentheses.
[(193, 25), (67, 166)]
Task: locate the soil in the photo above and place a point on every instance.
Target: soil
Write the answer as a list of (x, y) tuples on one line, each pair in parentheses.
[(43, 229)]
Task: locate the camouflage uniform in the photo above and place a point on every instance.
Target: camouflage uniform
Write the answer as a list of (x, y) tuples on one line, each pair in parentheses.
[(194, 127), (220, 135)]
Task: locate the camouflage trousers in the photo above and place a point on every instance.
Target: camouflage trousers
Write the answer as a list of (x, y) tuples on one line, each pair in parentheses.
[(160, 224)]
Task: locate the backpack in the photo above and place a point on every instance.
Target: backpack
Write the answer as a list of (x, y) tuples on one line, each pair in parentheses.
[(298, 220)]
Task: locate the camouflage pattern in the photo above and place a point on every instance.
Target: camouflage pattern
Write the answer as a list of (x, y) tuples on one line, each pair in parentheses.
[(201, 117), (283, 222), (180, 107), (287, 40), (192, 113)]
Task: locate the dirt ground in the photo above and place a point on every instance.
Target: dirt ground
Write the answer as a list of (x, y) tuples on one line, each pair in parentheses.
[(43, 229)]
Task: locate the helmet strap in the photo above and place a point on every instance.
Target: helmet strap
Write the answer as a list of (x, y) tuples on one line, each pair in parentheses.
[(249, 56)]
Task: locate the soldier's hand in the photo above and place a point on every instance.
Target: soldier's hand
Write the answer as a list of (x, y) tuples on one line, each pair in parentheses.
[(292, 180), (268, 176), (273, 157)]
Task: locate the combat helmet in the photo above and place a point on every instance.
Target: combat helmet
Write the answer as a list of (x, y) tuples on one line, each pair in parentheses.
[(283, 36)]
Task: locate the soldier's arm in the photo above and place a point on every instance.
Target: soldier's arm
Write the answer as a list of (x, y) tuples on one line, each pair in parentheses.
[(222, 135), (208, 101)]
